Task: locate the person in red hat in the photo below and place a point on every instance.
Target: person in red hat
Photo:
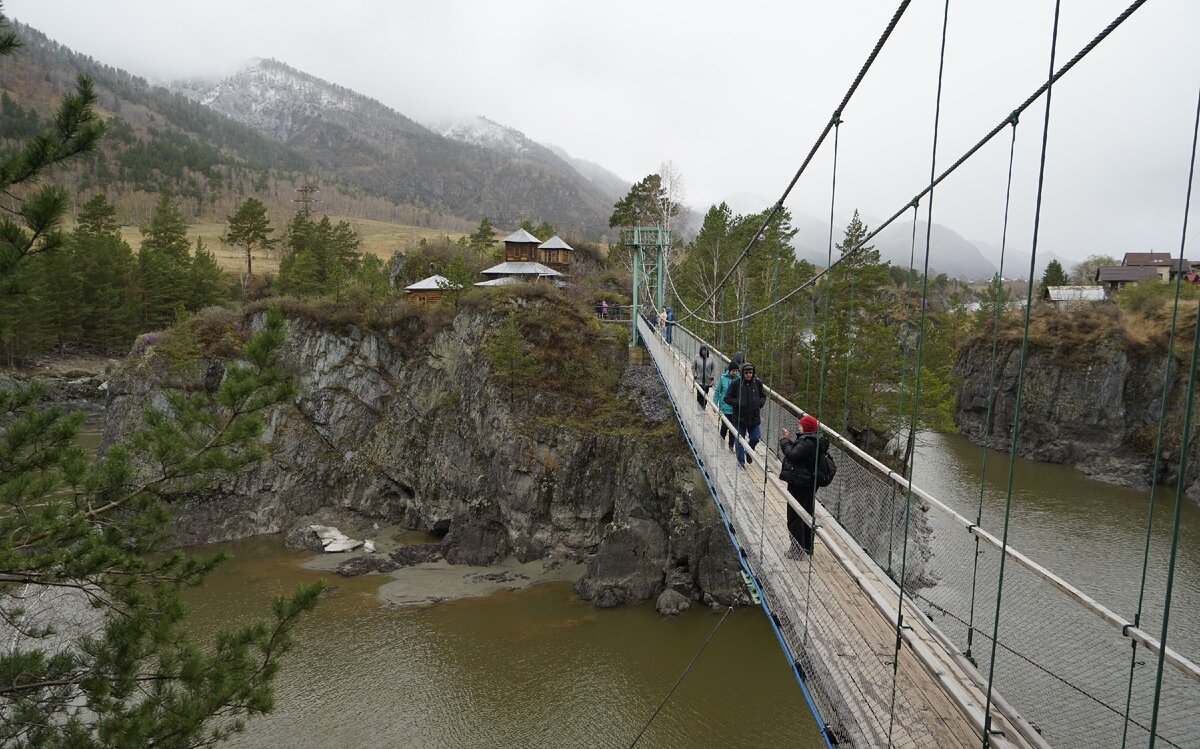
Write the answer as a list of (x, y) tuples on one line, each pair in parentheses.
[(807, 464)]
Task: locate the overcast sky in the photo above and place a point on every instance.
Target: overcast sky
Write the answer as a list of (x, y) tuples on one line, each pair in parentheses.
[(734, 94)]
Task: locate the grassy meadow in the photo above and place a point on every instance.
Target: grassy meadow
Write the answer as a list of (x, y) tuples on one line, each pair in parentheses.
[(378, 237)]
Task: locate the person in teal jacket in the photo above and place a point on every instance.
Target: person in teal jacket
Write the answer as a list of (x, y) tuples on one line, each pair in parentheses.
[(732, 372)]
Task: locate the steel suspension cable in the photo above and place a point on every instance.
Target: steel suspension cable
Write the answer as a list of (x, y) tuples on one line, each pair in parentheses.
[(837, 125), (1162, 418), (1185, 445), (987, 419), (834, 120), (916, 404), (970, 152), (679, 681), (900, 409), (1016, 426)]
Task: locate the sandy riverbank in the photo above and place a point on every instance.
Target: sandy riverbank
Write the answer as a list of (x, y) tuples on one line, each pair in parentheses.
[(433, 582)]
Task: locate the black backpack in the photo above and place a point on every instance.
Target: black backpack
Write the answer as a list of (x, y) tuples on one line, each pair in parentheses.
[(826, 469)]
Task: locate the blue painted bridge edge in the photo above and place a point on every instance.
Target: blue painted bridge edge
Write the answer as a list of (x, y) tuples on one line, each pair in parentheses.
[(742, 561)]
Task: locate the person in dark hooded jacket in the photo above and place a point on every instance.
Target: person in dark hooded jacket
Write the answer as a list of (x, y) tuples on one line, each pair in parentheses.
[(747, 396), (800, 455)]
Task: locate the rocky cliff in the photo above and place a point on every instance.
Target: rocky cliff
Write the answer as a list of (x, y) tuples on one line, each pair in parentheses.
[(1091, 396), (403, 420)]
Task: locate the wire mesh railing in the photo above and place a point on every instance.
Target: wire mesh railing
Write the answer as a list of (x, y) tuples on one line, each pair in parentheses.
[(1062, 658)]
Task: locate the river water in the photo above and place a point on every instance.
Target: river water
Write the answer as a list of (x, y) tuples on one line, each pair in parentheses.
[(1091, 533), (540, 668)]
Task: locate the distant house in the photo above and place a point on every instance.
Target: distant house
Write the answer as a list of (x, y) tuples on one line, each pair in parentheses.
[(1166, 266), (1146, 258), (524, 255), (521, 246), (556, 253), (1116, 277), (1073, 296), (429, 290)]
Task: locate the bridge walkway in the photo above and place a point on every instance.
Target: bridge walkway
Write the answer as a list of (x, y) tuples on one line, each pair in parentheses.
[(835, 612)]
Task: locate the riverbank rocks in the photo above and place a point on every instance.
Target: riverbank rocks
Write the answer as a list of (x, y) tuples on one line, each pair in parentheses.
[(404, 423), (1091, 399), (672, 602), (365, 563)]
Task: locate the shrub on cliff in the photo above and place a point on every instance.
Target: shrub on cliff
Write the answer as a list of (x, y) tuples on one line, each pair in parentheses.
[(89, 603)]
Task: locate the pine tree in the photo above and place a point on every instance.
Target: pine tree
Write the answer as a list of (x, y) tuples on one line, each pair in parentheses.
[(508, 355), (204, 284), (30, 225), (250, 230), (484, 238), (164, 264), (110, 293), (84, 548), (1054, 275)]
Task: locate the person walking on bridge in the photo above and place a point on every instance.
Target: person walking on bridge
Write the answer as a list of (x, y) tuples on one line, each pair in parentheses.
[(732, 373), (747, 396), (704, 371), (805, 457)]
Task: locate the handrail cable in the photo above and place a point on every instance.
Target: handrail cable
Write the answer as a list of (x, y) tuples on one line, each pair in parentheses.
[(1185, 444), (834, 120), (1013, 116), (1016, 421), (991, 400), (901, 582)]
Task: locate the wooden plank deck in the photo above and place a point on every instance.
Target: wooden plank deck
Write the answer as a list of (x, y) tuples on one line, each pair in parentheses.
[(836, 611)]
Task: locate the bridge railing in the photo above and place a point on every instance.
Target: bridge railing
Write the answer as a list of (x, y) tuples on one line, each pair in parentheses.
[(1062, 657)]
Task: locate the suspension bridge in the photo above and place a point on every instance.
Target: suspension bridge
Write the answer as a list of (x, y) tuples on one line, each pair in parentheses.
[(911, 624)]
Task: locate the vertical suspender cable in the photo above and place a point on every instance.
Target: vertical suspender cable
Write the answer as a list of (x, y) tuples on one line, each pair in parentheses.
[(912, 256), (1016, 426), (991, 398), (1185, 445), (1162, 418), (916, 404), (837, 123)]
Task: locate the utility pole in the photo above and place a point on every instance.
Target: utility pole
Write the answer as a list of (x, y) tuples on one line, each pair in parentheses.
[(306, 199)]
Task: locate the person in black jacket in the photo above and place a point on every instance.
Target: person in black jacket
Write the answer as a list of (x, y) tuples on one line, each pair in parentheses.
[(747, 397), (800, 453)]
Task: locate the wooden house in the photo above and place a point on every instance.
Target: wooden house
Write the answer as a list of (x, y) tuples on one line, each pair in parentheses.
[(521, 247), (556, 253), (1116, 277), (429, 290)]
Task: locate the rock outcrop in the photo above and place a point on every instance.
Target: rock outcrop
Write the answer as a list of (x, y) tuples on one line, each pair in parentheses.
[(407, 424), (1090, 402)]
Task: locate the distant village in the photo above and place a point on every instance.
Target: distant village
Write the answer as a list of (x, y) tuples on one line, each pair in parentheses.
[(1135, 268), (526, 258)]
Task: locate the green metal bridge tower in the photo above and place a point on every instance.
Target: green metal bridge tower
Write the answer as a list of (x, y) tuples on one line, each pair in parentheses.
[(649, 246)]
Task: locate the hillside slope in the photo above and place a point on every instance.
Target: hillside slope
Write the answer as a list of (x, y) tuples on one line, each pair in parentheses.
[(377, 148)]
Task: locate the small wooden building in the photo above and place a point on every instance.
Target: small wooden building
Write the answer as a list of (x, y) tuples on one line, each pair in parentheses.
[(556, 253), (429, 290), (521, 246), (1073, 296), (1116, 277)]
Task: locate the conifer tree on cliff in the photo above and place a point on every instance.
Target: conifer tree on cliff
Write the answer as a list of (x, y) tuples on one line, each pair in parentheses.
[(250, 230), (91, 652)]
